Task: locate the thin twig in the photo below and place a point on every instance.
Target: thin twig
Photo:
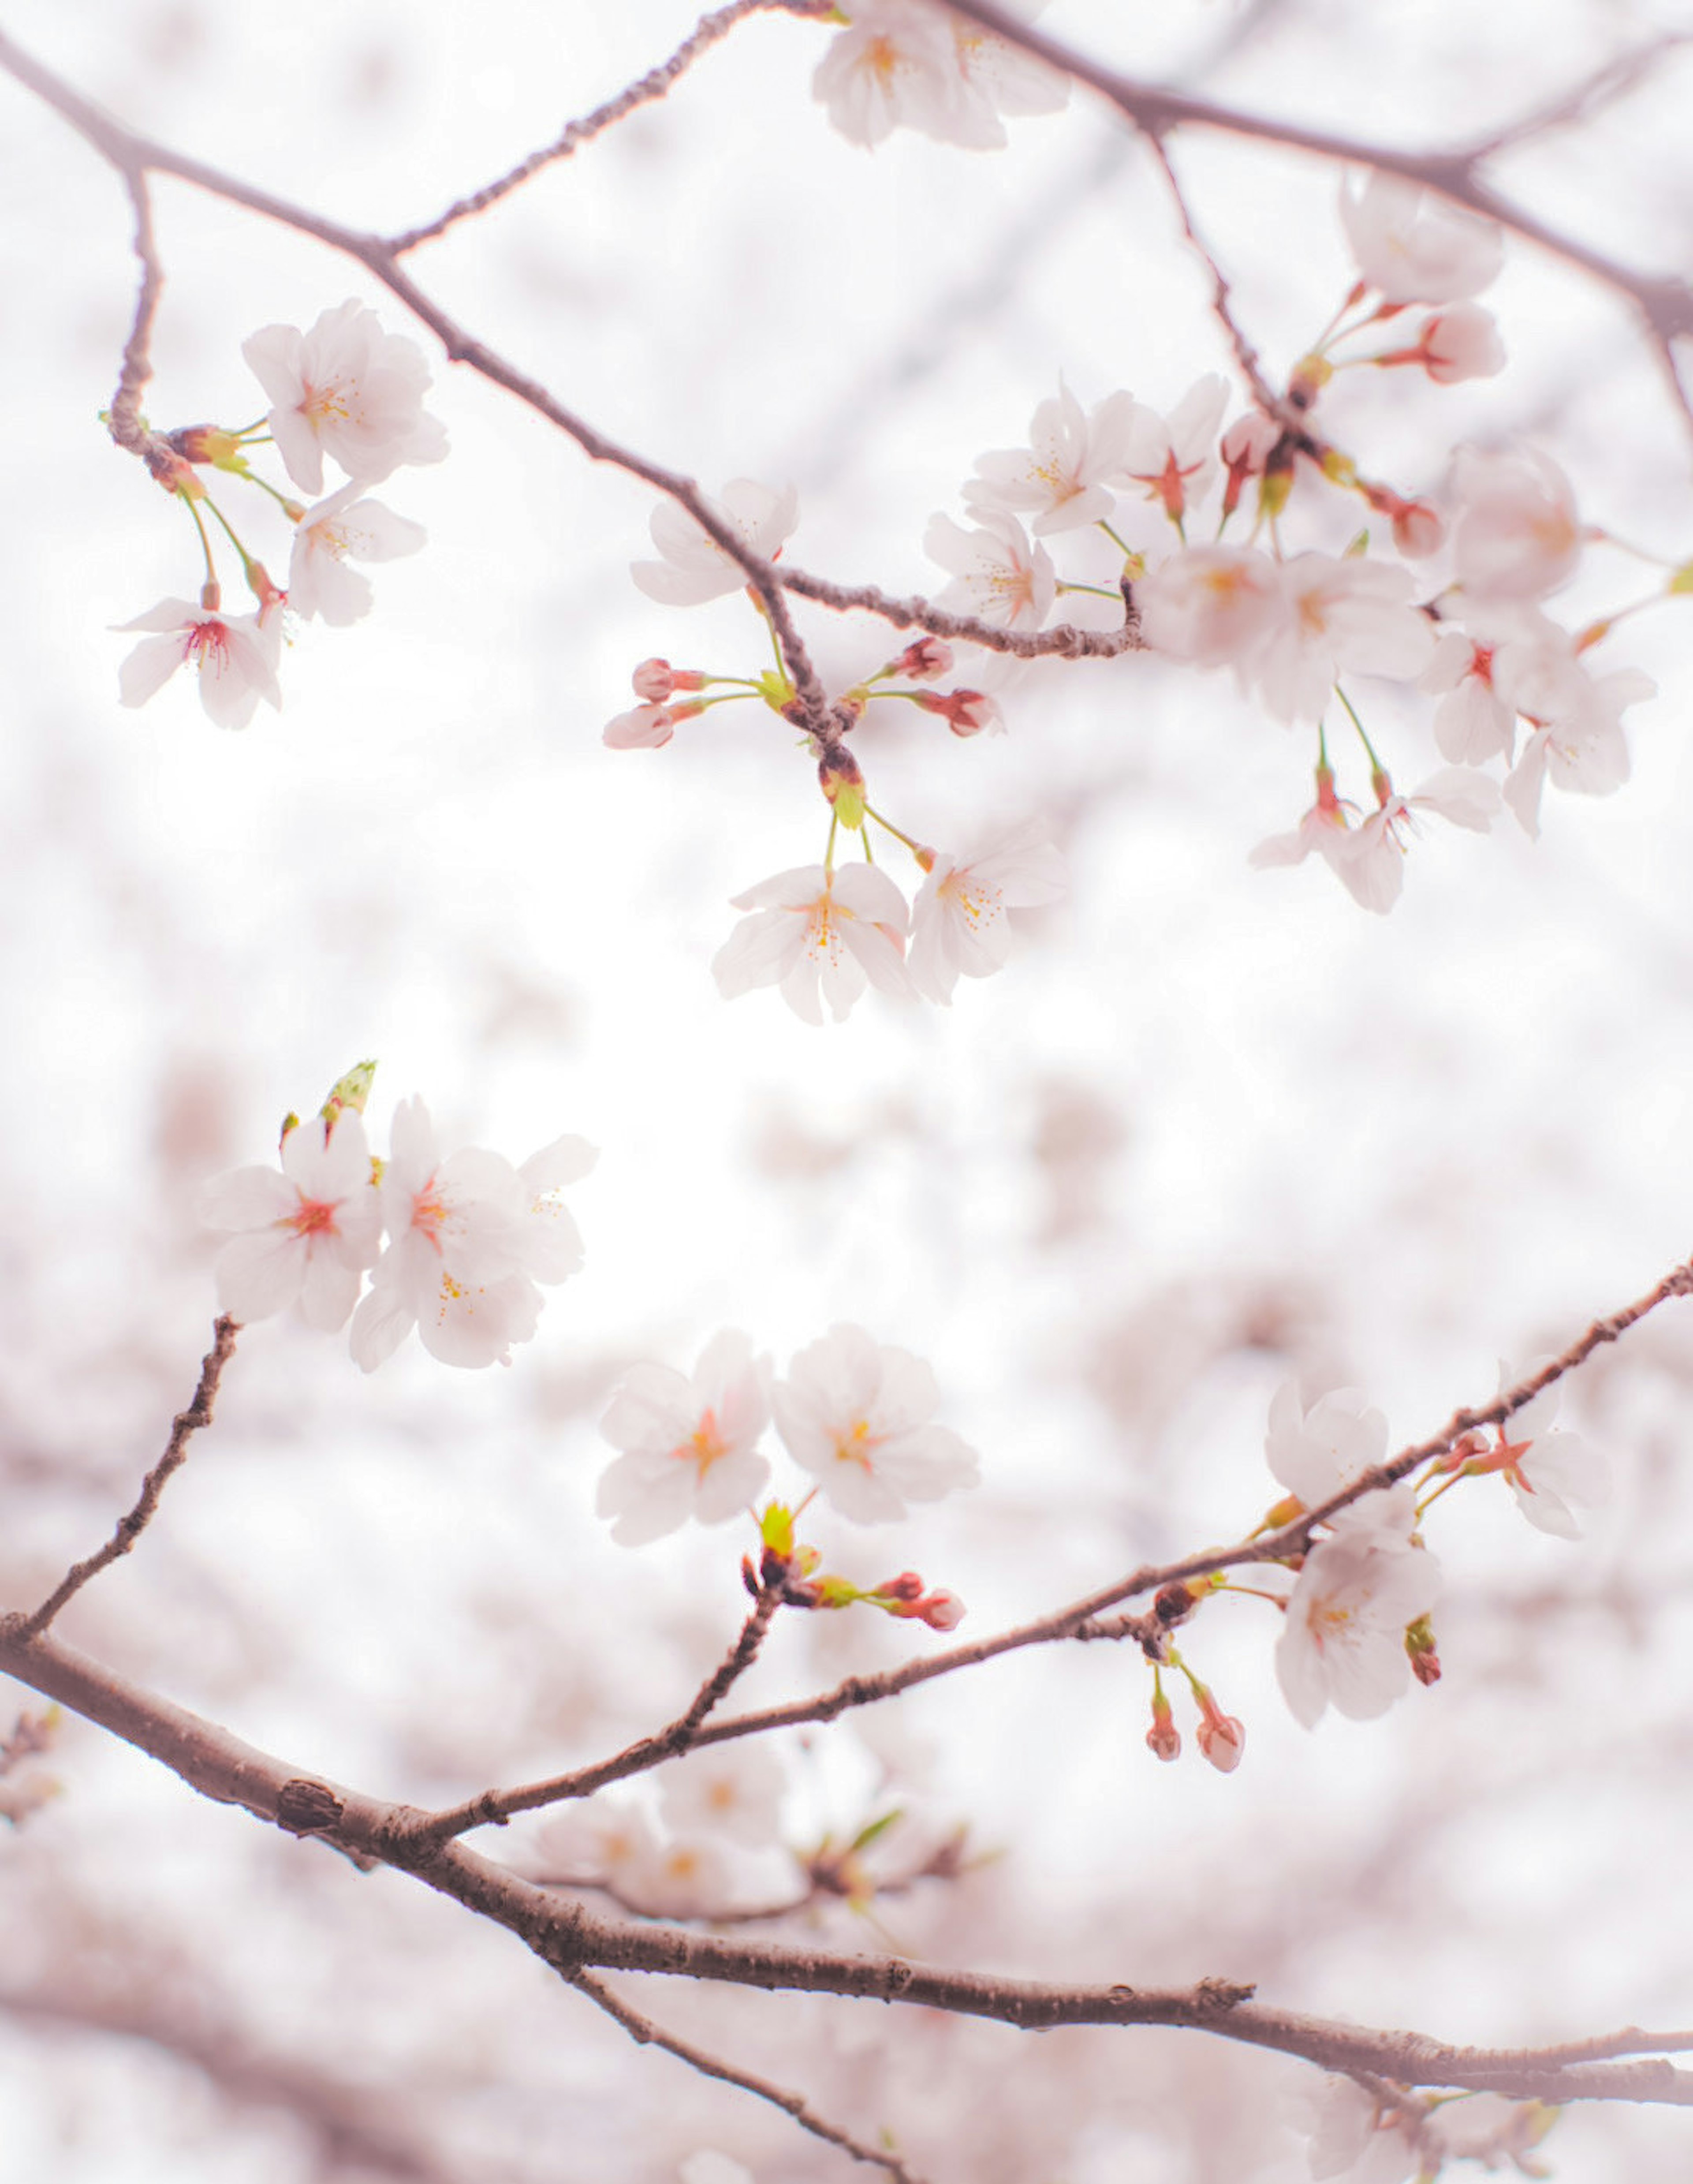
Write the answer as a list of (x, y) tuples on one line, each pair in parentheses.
[(644, 2029), (654, 85), (131, 1528)]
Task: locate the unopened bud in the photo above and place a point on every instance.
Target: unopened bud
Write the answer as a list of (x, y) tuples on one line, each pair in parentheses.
[(1172, 1604), (926, 660), (943, 1610), (1163, 1738), (841, 782), (908, 1585), (1418, 530), (349, 1092), (966, 712), (1223, 1739), (1419, 1644), (653, 681), (258, 583)]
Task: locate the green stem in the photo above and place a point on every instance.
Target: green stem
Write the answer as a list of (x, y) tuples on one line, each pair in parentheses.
[(1364, 736), (829, 852), (1099, 591), (889, 827), (205, 543)]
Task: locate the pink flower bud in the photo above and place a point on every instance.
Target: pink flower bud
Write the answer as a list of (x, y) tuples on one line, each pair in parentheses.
[(1246, 446), (966, 712), (1418, 530), (943, 1610), (1461, 342), (908, 1585), (926, 660), (1222, 1740), (1163, 1738), (647, 728), (654, 681)]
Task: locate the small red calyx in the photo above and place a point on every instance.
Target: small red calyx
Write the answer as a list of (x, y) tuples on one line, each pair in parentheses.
[(1419, 1644), (1163, 1738)]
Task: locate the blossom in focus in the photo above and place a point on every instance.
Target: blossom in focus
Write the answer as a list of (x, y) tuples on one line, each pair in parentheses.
[(959, 925), (237, 655), (689, 1447), (694, 568), (647, 727), (1473, 721), (820, 936), (470, 1236), (1323, 829), (727, 1789), (1211, 604), (1585, 750), (1372, 865), (1343, 1641), (1517, 535), (1314, 1453), (1174, 459), (855, 1414), (996, 574), (1335, 614), (895, 62), (346, 528), (1414, 248), (347, 389), (1060, 479), (303, 1233), (1547, 1468)]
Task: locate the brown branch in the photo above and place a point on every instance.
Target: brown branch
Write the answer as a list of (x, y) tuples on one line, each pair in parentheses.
[(644, 2029), (125, 425), (131, 1528), (654, 85), (1062, 642)]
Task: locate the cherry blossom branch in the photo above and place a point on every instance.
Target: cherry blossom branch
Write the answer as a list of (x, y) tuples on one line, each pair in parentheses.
[(642, 2030), (654, 85), (131, 1528), (569, 1938), (1665, 302)]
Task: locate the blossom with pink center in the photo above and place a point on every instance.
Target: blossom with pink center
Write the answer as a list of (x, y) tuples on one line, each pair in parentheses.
[(855, 1414), (819, 936), (996, 574), (1414, 248), (1214, 605), (689, 1447), (1335, 614), (1343, 1643), (346, 528), (1060, 479), (1584, 750), (694, 567), (1372, 866), (1322, 828), (959, 922), (1518, 536), (1244, 450), (1552, 1472), (304, 1232), (469, 1238), (1174, 459), (725, 1789), (1473, 722), (237, 657), (347, 389)]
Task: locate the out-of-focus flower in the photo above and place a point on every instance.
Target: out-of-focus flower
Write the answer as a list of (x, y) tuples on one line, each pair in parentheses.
[(894, 63), (1414, 248), (237, 656), (1343, 1643), (347, 389), (820, 937), (689, 1447), (1355, 2140), (346, 528), (855, 1414), (997, 574), (1000, 78), (694, 567), (1461, 342), (1211, 604), (958, 924), (1335, 614), (1518, 536), (727, 1789), (305, 1231), (1062, 479), (469, 1238)]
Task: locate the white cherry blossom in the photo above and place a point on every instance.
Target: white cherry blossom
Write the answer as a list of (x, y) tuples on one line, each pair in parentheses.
[(997, 574), (304, 1232), (1324, 829), (958, 924), (1461, 342), (1214, 605), (1371, 862), (1315, 1452), (1353, 2141), (1060, 480), (819, 937), (734, 1791), (1174, 459), (1474, 722), (469, 1238), (1517, 535), (1413, 248), (855, 1414), (998, 78), (695, 568), (1551, 1471), (1585, 751), (1335, 615), (348, 389), (1343, 1643), (895, 63), (237, 657), (345, 527), (689, 1445)]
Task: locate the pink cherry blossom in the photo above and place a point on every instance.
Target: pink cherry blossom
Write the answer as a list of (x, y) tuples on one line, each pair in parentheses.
[(1473, 723), (1584, 749), (998, 78), (1314, 1453), (237, 656), (958, 923), (469, 1238), (1343, 1643), (895, 63), (820, 937), (347, 389), (1335, 614), (1372, 864), (997, 574), (1414, 248), (1461, 342), (1060, 479), (345, 527), (734, 1791), (1547, 1468), (1355, 2141), (648, 728), (695, 568), (1323, 829), (1214, 606), (1174, 459), (304, 1232), (1519, 536), (689, 1447), (854, 1413)]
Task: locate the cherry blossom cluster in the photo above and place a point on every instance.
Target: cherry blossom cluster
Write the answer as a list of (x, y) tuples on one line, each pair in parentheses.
[(345, 390), (1357, 1602), (1381, 2133), (909, 63), (455, 1246)]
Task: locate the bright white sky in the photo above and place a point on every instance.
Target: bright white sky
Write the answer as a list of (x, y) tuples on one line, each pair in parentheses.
[(1203, 1108)]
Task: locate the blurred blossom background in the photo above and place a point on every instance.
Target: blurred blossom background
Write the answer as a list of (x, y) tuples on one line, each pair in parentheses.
[(1210, 1129)]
